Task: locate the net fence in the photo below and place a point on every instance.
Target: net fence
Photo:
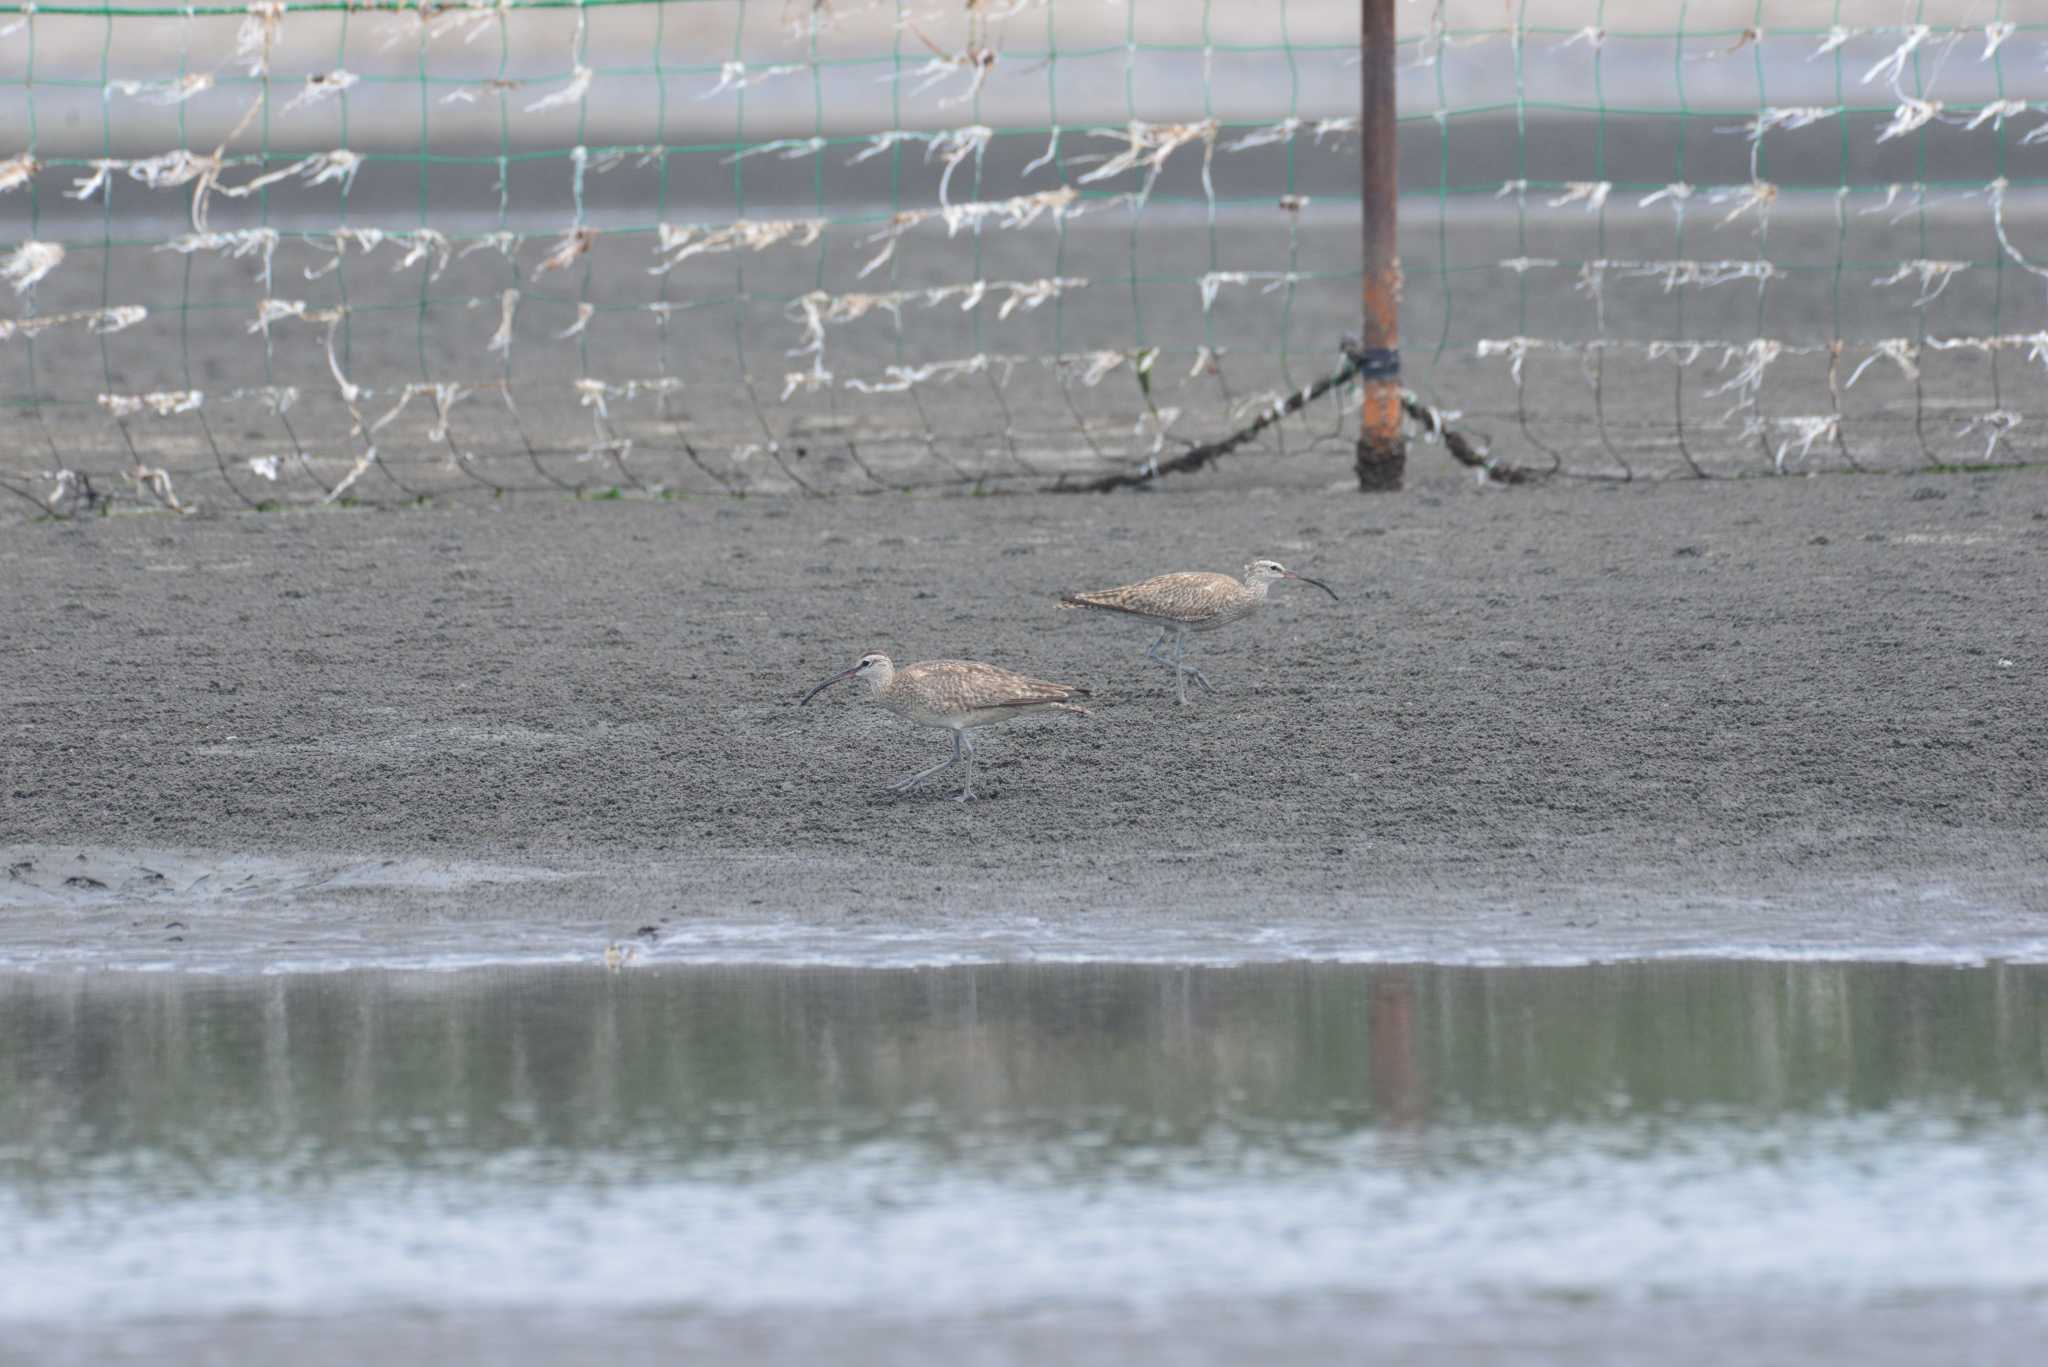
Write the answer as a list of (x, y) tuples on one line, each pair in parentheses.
[(316, 251), (1703, 239), (278, 253)]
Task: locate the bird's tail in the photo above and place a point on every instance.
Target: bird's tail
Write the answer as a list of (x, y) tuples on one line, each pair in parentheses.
[(1070, 707)]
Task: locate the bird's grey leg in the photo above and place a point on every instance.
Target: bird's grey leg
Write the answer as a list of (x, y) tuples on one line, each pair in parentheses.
[(1185, 671), (921, 775), (966, 793), (1181, 672)]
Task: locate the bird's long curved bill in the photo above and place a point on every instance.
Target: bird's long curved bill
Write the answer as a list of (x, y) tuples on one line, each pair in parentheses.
[(840, 677), (1318, 583)]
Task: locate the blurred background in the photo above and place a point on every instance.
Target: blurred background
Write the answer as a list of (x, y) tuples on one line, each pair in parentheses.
[(706, 246)]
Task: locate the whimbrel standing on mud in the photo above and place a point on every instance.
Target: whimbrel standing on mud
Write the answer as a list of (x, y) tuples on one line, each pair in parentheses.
[(1187, 602), (957, 694)]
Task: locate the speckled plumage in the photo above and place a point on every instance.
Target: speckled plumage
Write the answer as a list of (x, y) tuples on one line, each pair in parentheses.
[(1194, 600), (968, 693), (1190, 601), (960, 695)]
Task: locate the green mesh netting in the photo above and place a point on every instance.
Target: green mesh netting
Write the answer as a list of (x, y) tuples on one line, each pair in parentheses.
[(366, 252), (284, 253), (1703, 238)]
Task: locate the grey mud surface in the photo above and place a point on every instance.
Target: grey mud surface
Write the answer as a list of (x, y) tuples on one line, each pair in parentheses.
[(1305, 1332), (1791, 716)]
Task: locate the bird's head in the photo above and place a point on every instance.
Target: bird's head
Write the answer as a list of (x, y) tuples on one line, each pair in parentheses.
[(1261, 573), (874, 669)]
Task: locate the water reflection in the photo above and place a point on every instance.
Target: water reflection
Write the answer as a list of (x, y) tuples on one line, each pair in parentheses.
[(996, 1136), (568, 1058)]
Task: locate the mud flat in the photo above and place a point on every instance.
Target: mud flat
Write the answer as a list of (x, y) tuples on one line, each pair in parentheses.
[(1799, 714)]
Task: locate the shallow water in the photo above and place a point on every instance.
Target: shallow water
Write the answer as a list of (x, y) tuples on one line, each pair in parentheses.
[(1794, 1162), (75, 909)]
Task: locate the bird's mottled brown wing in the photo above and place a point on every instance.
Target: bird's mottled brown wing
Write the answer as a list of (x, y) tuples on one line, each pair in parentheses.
[(961, 685), (1192, 596)]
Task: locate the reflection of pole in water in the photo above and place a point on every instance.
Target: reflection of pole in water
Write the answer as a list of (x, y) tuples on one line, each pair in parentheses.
[(1399, 1095)]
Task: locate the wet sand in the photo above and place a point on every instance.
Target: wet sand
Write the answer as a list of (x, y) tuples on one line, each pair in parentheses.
[(1803, 713)]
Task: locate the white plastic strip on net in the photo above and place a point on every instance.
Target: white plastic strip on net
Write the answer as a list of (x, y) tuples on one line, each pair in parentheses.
[(323, 252)]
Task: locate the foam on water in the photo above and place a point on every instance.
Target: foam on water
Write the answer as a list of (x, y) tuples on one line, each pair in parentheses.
[(303, 943), (1835, 1208), (303, 946), (77, 910)]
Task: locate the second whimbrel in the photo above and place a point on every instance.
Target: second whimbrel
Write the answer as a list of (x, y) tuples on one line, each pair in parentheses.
[(961, 695), (1191, 601)]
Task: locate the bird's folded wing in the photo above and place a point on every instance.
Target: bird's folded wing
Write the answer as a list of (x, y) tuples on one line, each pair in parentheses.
[(1037, 693), (1188, 597), (970, 683)]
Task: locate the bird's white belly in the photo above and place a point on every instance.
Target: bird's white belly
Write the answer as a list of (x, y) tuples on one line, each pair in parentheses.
[(1227, 616), (981, 716), (958, 721)]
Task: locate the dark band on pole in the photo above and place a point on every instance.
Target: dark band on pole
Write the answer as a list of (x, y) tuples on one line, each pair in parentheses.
[(1374, 362)]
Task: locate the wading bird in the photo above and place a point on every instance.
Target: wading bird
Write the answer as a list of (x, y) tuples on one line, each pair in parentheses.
[(1194, 601), (960, 695)]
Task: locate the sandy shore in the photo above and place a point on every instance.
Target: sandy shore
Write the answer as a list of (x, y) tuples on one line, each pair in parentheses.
[(1634, 719)]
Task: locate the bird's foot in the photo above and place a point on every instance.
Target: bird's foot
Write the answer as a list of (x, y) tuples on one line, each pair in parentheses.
[(918, 779)]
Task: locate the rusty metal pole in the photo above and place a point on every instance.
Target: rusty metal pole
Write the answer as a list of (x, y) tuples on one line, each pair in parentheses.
[(1382, 444)]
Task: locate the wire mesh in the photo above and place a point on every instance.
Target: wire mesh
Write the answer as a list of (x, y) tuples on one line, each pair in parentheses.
[(274, 252), (1732, 237), (277, 252)]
